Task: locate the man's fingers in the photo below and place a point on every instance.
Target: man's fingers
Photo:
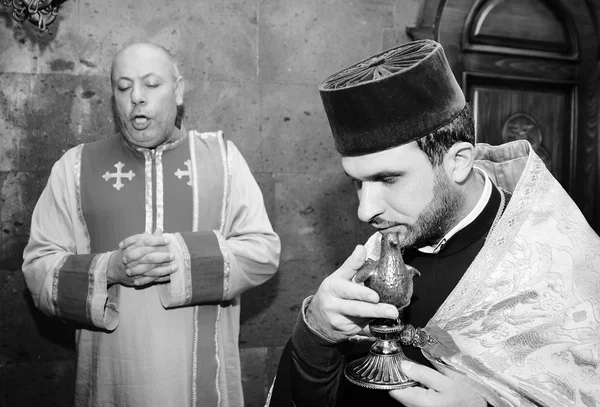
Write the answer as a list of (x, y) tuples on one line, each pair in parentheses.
[(128, 241), (150, 257), (430, 378), (412, 396), (352, 263), (144, 240), (161, 271), (147, 254), (350, 291), (360, 309), (142, 281)]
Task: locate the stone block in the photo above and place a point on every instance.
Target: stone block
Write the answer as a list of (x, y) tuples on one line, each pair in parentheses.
[(252, 361), (266, 183), (259, 366), (295, 132), (15, 99), (40, 111), (269, 311), (13, 239), (90, 113), (316, 216), (193, 31), (303, 42), (25, 51), (212, 105), (19, 194), (50, 384), (26, 335)]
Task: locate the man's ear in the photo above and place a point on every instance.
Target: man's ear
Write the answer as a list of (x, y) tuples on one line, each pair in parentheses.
[(458, 161), (179, 90)]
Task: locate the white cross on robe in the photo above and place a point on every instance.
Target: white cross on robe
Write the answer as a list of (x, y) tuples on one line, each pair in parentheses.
[(119, 175), (180, 173)]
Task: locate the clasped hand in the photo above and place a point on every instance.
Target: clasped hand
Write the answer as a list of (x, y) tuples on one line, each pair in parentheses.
[(142, 259)]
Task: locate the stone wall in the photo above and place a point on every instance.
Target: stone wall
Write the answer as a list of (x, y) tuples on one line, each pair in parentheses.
[(252, 69)]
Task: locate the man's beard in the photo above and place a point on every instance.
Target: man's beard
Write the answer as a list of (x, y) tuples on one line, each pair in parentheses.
[(436, 219)]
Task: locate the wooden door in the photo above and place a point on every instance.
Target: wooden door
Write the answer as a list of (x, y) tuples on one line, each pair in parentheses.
[(529, 69)]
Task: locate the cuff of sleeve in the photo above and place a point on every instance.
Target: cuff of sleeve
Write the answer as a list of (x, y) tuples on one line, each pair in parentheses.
[(207, 266), (316, 350), (104, 304), (178, 291), (82, 294)]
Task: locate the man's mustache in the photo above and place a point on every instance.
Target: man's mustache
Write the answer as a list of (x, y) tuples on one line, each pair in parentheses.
[(382, 223)]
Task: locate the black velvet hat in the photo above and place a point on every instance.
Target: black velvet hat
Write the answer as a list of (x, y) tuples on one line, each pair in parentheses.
[(391, 98)]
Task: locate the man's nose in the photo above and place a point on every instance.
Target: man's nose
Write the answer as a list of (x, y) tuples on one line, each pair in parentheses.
[(371, 203), (138, 95)]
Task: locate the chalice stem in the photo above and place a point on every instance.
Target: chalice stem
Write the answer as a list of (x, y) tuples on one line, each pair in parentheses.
[(381, 369)]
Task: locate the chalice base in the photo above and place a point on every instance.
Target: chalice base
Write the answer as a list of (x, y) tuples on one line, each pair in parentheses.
[(379, 372)]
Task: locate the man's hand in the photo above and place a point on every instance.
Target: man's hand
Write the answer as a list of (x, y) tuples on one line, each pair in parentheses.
[(441, 390), (342, 308), (145, 260)]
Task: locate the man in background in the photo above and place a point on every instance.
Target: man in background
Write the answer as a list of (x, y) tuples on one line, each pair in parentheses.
[(509, 269), (157, 313)]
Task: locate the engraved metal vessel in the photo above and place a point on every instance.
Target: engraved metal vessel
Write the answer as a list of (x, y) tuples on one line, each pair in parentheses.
[(392, 279)]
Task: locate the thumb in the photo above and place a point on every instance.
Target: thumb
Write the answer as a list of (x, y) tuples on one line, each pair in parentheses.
[(157, 232), (352, 263), (428, 377)]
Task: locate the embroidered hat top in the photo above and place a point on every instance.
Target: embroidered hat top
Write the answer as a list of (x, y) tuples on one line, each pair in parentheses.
[(391, 98)]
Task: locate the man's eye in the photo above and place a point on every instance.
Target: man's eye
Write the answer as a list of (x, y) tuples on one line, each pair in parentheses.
[(388, 180), (123, 88), (153, 85)]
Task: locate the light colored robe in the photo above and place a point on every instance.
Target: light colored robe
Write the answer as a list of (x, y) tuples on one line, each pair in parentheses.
[(522, 327), (173, 344)]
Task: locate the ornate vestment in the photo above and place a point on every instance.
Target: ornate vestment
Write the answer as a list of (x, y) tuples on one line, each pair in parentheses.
[(173, 344), (524, 321)]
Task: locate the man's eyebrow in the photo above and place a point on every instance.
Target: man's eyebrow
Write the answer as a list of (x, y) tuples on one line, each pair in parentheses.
[(379, 176), (149, 74)]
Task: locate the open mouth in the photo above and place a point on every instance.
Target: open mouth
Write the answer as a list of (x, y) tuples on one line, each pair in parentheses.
[(140, 122)]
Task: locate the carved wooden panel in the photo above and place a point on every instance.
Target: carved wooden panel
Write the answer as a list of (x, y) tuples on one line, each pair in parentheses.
[(529, 68), (535, 113)]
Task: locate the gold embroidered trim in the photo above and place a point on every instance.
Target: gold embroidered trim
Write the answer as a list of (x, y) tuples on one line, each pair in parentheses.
[(148, 185), (90, 294), (497, 243), (226, 173), (60, 264), (77, 172), (195, 359), (195, 210), (194, 180), (218, 388), (160, 191), (225, 162), (187, 273), (226, 262)]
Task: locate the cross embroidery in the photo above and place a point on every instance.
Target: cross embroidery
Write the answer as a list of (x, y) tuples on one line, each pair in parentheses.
[(179, 173), (118, 175)]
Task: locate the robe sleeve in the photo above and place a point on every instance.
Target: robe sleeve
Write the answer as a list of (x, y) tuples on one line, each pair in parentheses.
[(220, 265), (310, 369), (66, 280)]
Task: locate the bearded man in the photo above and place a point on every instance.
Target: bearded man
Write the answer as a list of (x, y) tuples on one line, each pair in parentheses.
[(157, 313), (509, 268)]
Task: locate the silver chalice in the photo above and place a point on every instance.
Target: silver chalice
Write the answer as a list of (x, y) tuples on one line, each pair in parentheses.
[(392, 279)]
